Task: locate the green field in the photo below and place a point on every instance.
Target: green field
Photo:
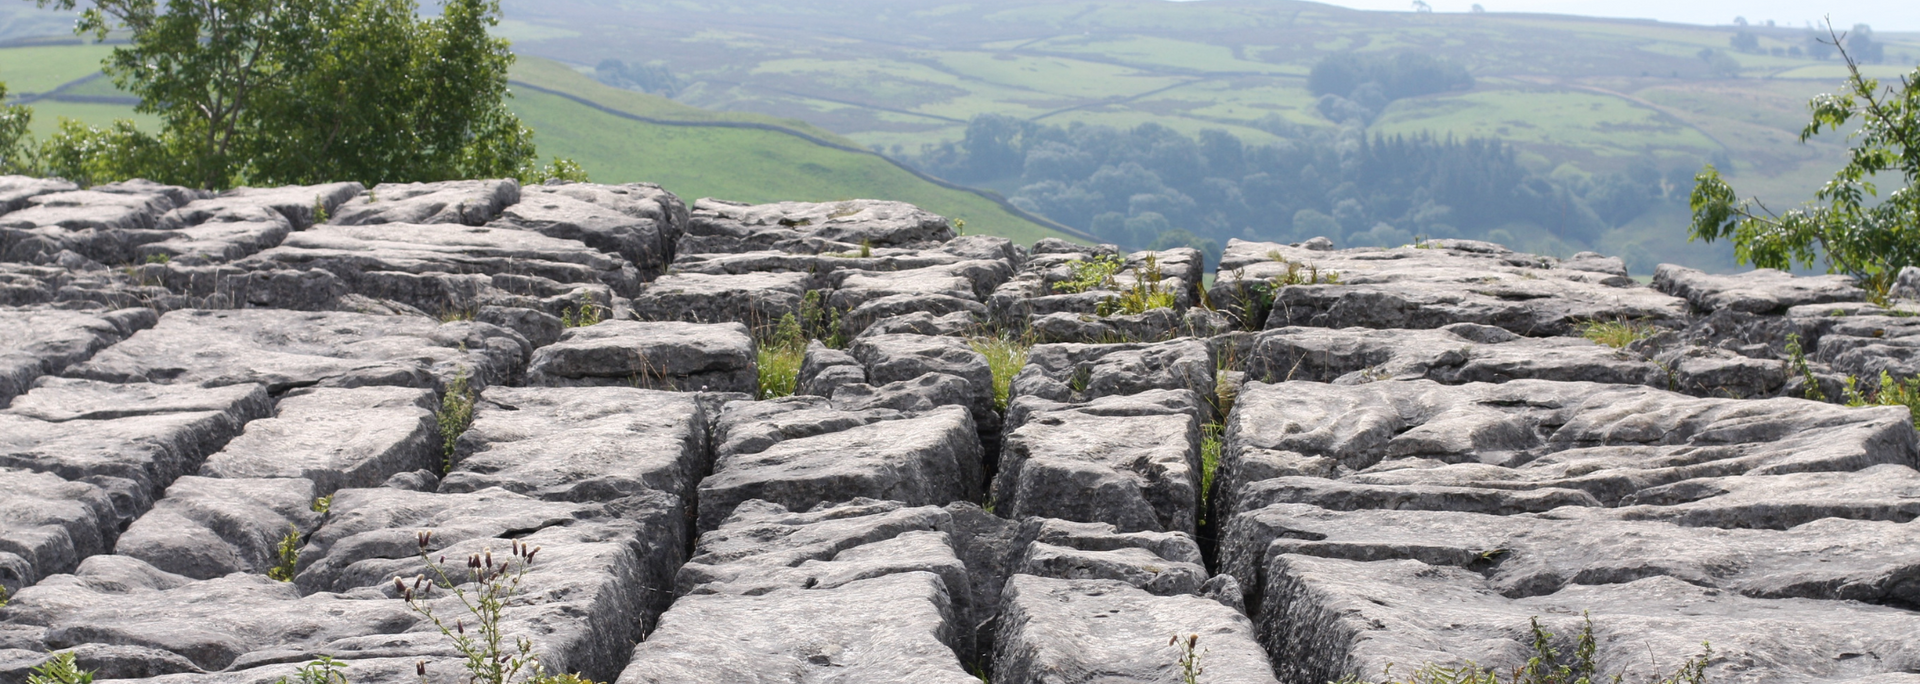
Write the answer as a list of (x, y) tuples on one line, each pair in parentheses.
[(693, 161)]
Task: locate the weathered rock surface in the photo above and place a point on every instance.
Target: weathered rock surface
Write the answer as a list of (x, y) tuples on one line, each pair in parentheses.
[(206, 527), (36, 343), (1760, 291), (1450, 281), (1081, 372), (336, 438), (1101, 630), (931, 459), (288, 349), (582, 444), (755, 299), (1609, 441), (811, 228), (656, 355), (470, 203), (1458, 353), (48, 524), (639, 222), (1127, 461)]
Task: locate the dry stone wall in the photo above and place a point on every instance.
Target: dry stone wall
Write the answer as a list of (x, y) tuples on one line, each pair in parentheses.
[(1316, 463)]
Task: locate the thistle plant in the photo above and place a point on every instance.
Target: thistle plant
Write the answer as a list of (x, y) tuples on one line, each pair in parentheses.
[(489, 658)]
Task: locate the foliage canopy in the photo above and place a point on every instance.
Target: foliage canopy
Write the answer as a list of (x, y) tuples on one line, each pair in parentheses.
[(1842, 226), (273, 92)]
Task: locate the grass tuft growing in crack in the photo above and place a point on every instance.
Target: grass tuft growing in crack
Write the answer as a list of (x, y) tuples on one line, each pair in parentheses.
[(456, 415), (1005, 356), (780, 356), (1616, 334), (1212, 436), (1545, 667)]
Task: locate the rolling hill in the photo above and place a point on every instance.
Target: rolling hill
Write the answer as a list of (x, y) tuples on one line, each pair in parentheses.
[(617, 136)]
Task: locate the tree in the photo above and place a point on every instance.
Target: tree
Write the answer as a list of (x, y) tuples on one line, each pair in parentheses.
[(1744, 42), (302, 91), (16, 155), (1841, 226)]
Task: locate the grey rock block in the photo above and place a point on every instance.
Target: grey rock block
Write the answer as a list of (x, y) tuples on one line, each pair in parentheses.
[(1081, 372), (898, 628), (1136, 567), (823, 370), (758, 300), (1118, 460), (668, 355), (965, 280), (210, 527), (807, 227), (956, 324), (1327, 619), (47, 525), (1521, 556), (604, 572), (402, 260), (935, 306), (1760, 291), (892, 358), (1866, 346), (35, 343), (582, 444), (930, 459), (1409, 287), (16, 190), (1609, 441), (337, 438), (1102, 630), (218, 241), (104, 224), (471, 202), (294, 203), (289, 349), (132, 440), (925, 393), (1458, 353), (642, 229), (1883, 492)]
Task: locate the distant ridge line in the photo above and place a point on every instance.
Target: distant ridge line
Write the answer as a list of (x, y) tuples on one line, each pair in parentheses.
[(983, 194)]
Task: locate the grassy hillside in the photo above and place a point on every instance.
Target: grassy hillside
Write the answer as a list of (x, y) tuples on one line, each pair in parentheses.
[(1598, 94), (776, 160)]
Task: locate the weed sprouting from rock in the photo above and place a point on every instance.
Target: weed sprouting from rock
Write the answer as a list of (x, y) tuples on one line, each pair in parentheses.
[(60, 669), (1545, 667), (1212, 437), (456, 415), (1616, 334), (583, 313), (1005, 356), (323, 504), (321, 670), (1797, 357), (1190, 669), (1146, 293), (1090, 274), (287, 555), (489, 658), (780, 356)]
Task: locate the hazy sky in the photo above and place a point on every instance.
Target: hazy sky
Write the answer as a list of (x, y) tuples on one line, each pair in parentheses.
[(1885, 15)]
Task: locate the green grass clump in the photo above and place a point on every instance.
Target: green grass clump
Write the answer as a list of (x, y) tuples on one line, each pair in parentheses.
[(288, 553), (1547, 666), (60, 669), (1302, 274), (1616, 334), (1090, 274), (583, 313), (1006, 356), (1146, 293), (780, 356), (1212, 438), (456, 415)]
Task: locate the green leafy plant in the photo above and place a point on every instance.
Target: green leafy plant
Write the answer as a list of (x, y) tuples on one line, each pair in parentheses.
[(1090, 274), (1797, 358), (1853, 234), (820, 320), (488, 657), (17, 152), (60, 669), (1302, 274), (1145, 294), (1005, 357), (320, 210), (3, 596), (455, 416), (1616, 334), (288, 554), (1190, 669), (159, 258), (323, 505), (321, 670), (583, 313), (780, 356)]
